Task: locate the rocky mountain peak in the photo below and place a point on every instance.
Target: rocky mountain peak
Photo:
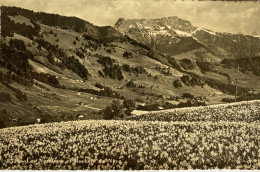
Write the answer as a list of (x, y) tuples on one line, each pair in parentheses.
[(120, 21), (172, 22)]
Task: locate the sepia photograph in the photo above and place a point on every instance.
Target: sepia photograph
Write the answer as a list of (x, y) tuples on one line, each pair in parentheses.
[(129, 85)]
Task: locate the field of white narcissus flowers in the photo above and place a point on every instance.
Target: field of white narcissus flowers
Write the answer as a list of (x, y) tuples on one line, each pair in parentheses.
[(131, 145), (233, 112)]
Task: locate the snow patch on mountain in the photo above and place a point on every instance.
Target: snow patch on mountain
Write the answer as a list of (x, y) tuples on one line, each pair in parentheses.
[(169, 27), (210, 32), (257, 36), (182, 33), (160, 32), (139, 25), (147, 27)]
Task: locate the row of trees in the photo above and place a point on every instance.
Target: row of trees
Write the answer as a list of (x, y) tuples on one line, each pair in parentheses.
[(192, 80), (18, 44), (114, 72), (46, 78), (204, 66), (106, 91), (63, 22), (11, 27), (135, 70), (243, 98), (110, 70), (244, 64), (73, 64)]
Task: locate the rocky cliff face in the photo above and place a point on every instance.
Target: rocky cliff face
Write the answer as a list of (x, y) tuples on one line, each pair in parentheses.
[(172, 32), (174, 23)]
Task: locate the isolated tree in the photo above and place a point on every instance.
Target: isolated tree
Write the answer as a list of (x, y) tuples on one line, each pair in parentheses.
[(2, 124), (131, 83), (113, 111), (50, 58), (186, 80), (4, 112), (129, 104), (187, 95), (177, 83), (39, 47), (53, 81), (108, 113), (125, 54), (117, 108)]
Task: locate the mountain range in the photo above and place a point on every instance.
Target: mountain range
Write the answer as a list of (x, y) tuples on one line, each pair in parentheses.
[(60, 68), (174, 35)]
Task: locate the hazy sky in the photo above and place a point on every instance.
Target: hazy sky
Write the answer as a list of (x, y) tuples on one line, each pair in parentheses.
[(218, 16)]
